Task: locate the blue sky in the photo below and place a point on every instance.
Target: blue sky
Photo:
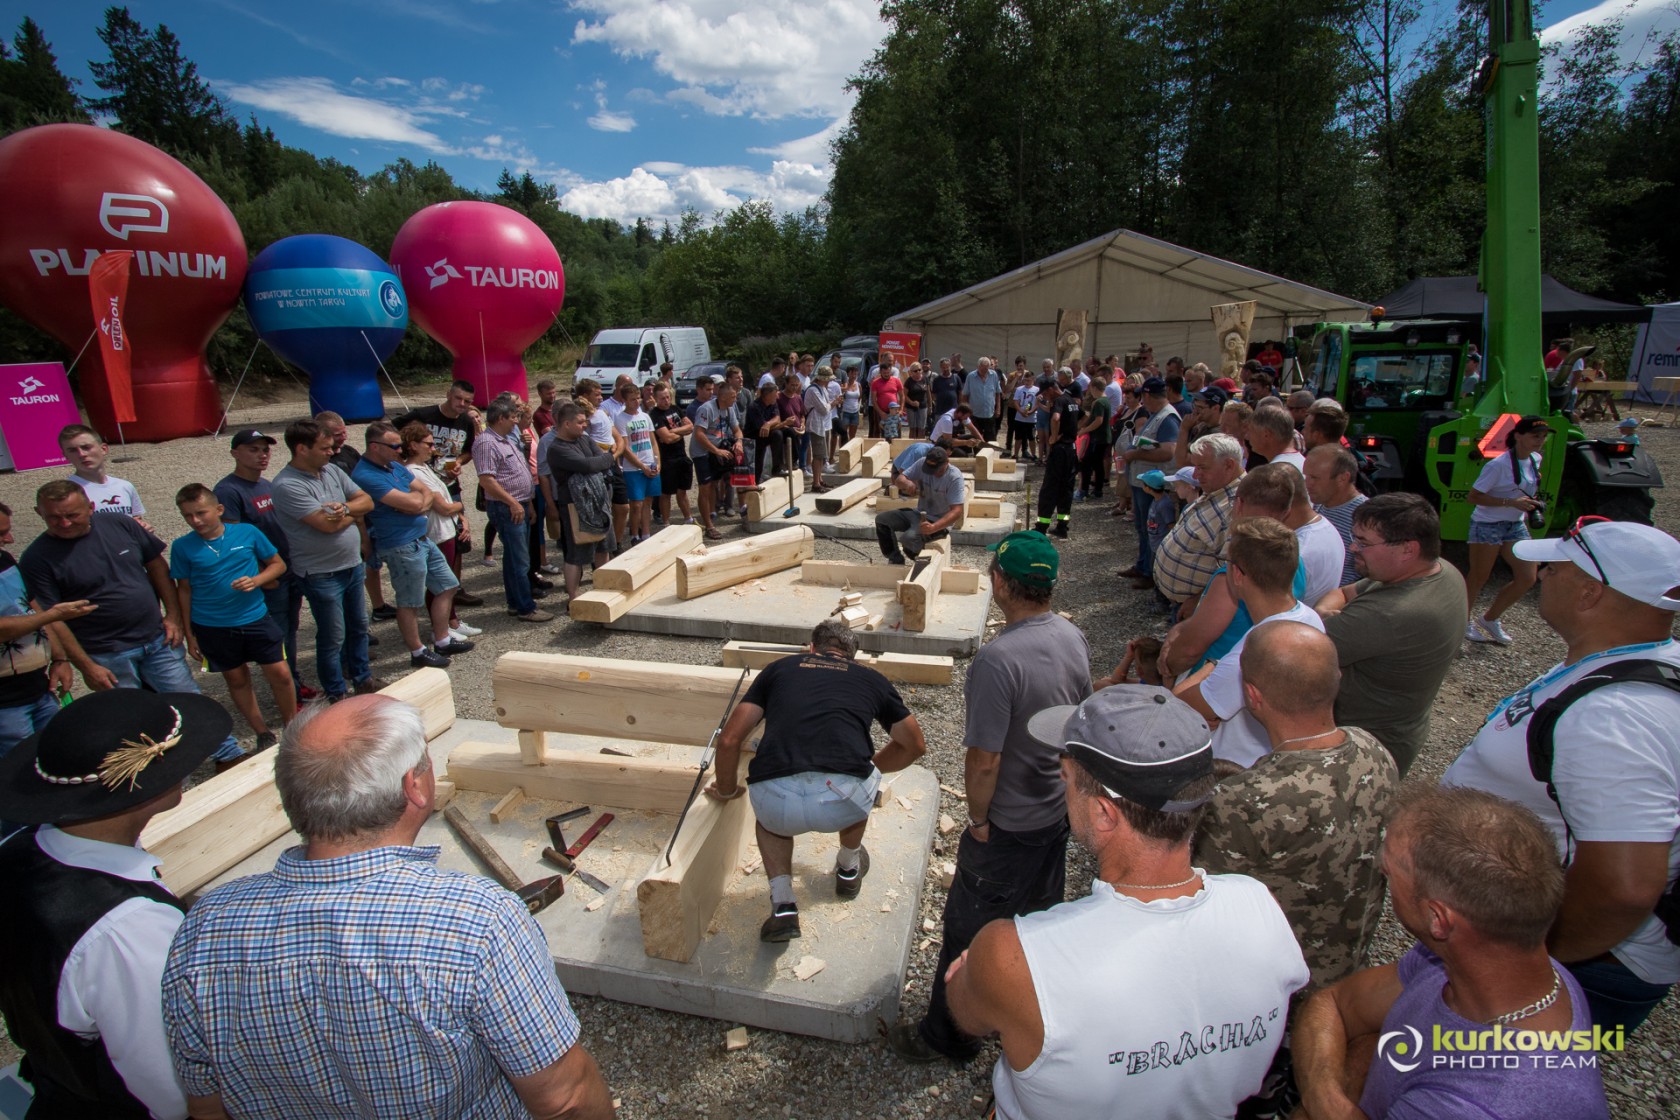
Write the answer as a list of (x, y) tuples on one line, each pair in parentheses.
[(631, 107)]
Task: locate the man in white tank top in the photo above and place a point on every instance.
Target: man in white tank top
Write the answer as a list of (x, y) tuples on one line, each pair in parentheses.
[(1165, 992)]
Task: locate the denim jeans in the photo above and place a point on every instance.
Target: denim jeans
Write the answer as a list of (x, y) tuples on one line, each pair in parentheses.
[(285, 607), (1140, 522), (1615, 996), (161, 667), (20, 722), (516, 559), (1012, 873), (337, 601)]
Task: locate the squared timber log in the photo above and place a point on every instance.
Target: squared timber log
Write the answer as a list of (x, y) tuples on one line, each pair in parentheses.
[(847, 495), (773, 498), (638, 565), (648, 784), (905, 668), (847, 457), (725, 565), (610, 698), (676, 900), (221, 821), (610, 606)]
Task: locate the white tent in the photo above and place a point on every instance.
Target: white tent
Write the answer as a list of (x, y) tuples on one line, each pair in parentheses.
[(1133, 288), (1656, 353)]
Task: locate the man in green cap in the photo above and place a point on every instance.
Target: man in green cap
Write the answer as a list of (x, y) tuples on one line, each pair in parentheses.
[(1011, 858)]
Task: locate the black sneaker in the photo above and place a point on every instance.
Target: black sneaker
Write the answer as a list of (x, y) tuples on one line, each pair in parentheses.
[(373, 640), (427, 659), (905, 1039), (1060, 532), (266, 739), (847, 884), (539, 592), (384, 612), (372, 684), (453, 647), (781, 925), (539, 581), (898, 560)]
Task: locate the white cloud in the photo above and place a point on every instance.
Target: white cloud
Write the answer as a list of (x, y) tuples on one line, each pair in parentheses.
[(608, 121), (732, 57), (661, 191), (1643, 20), (811, 149), (316, 102)]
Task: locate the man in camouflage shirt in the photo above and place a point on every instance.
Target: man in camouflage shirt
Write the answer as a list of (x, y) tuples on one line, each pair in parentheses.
[(1307, 819)]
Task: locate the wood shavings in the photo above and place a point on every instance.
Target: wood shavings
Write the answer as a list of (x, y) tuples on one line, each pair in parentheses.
[(946, 823), (904, 803), (595, 903), (809, 967), (956, 793), (736, 1039), (928, 925)]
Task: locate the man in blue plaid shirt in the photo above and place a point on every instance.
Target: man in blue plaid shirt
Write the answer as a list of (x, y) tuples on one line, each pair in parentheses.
[(356, 978)]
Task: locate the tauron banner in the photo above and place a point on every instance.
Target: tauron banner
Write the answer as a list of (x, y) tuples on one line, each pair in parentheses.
[(108, 288)]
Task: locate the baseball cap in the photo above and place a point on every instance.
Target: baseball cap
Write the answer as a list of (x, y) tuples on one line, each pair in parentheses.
[(1531, 424), (1226, 384), (1155, 480), (1213, 395), (1154, 386), (935, 458), (251, 435), (1029, 557), (1627, 424), (1140, 741), (1184, 474), (1637, 560)]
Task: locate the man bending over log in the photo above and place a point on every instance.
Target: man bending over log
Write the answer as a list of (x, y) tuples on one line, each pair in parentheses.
[(816, 769)]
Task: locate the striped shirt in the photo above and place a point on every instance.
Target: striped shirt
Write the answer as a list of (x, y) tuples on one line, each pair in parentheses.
[(1342, 518), (368, 984), (1195, 547), (503, 458)]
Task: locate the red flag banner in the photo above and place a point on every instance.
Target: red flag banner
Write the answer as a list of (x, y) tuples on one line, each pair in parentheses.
[(108, 288)]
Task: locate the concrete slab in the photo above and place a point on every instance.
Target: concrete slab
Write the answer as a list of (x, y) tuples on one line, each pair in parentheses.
[(858, 523), (783, 608), (864, 944)]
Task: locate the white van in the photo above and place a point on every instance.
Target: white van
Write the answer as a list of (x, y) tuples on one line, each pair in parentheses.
[(639, 351)]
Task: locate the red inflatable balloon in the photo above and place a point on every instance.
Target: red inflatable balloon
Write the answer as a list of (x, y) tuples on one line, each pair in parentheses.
[(74, 191), (485, 282)]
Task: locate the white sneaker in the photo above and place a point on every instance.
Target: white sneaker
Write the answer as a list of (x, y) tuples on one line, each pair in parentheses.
[(488, 561), (464, 630), (1474, 633), (1495, 631)]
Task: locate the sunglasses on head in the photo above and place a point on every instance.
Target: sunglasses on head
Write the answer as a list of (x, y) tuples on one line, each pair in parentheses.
[(1575, 534)]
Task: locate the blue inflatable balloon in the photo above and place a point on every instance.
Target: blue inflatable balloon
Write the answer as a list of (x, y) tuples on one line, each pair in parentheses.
[(334, 309)]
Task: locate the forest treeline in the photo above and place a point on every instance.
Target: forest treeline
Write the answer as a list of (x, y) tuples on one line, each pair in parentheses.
[(1334, 142)]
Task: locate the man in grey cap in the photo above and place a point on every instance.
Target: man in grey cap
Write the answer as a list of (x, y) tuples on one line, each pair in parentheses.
[(940, 491), (1165, 991)]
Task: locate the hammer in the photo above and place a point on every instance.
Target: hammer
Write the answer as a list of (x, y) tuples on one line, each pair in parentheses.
[(535, 895)]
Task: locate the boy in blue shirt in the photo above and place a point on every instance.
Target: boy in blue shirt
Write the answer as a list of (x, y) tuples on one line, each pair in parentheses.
[(220, 572)]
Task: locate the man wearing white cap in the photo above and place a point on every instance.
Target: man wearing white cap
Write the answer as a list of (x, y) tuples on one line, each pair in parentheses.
[(1593, 746), (1164, 992)]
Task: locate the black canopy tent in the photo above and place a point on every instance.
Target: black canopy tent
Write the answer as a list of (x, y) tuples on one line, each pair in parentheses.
[(1456, 297)]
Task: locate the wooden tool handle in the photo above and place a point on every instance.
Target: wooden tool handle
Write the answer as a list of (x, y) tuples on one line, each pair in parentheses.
[(481, 848), (559, 859)]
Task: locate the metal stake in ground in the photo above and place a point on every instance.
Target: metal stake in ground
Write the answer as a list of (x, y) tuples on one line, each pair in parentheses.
[(705, 764)]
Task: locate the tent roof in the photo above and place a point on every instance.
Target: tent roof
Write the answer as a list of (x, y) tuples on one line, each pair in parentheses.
[(1225, 280), (1456, 297)]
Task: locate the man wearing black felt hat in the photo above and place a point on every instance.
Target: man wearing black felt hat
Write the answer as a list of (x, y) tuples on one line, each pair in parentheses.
[(89, 919), (1165, 991)]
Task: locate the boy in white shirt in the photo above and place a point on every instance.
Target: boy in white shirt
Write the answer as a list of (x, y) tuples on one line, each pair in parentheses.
[(86, 451)]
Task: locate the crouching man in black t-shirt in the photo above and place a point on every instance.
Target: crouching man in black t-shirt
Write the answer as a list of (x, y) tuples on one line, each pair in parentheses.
[(816, 769)]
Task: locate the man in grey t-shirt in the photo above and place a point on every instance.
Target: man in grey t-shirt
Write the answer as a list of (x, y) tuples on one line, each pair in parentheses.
[(318, 505), (1011, 859), (940, 491)]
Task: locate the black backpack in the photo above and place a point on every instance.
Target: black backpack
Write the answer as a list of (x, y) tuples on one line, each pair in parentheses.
[(1543, 724)]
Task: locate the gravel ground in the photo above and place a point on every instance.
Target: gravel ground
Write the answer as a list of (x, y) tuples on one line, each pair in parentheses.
[(662, 1064)]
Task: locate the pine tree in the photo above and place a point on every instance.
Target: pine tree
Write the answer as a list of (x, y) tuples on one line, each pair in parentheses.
[(155, 94), (33, 90)]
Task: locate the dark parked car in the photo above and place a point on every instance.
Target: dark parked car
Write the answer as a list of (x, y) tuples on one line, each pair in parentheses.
[(686, 379)]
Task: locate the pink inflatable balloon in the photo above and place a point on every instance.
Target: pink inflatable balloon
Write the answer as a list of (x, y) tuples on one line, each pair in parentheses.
[(485, 282), (73, 192)]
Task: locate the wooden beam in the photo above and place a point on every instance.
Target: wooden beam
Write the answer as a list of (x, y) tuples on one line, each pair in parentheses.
[(845, 496), (428, 690), (610, 606), (847, 457), (676, 901), (974, 507), (586, 695), (915, 595), (876, 458), (221, 821), (533, 747), (844, 573), (772, 499), (726, 565), (638, 565), (959, 581), (854, 617), (906, 668), (646, 784), (504, 808), (900, 446)]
